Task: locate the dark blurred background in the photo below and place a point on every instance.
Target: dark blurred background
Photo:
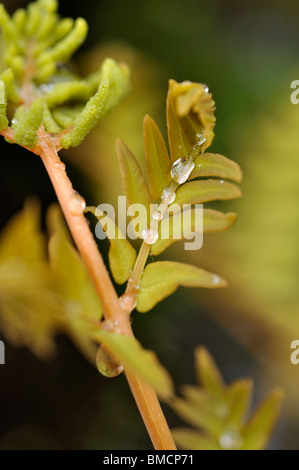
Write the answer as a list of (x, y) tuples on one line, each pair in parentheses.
[(247, 53)]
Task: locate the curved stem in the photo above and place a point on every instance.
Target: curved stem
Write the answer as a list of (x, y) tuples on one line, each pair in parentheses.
[(144, 395)]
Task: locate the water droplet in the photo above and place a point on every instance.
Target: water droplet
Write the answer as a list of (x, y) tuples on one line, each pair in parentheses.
[(205, 87), (201, 138), (106, 365), (59, 166), (128, 303), (157, 215), (109, 325), (150, 236), (45, 88), (181, 170), (168, 195), (221, 181), (14, 121), (230, 439), (77, 204), (216, 279)]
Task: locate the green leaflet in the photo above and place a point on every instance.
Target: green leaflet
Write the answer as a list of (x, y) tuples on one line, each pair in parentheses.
[(158, 164), (81, 301), (207, 373), (3, 106), (239, 395), (121, 254), (213, 164), (26, 127), (134, 183), (49, 122), (162, 278), (197, 192), (7, 78), (67, 91), (258, 430), (144, 364), (190, 111), (171, 230), (64, 49), (114, 85), (66, 115)]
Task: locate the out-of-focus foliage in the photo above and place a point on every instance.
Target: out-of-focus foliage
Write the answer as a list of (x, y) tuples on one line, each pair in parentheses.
[(219, 412), (30, 311), (190, 121), (265, 291), (41, 297)]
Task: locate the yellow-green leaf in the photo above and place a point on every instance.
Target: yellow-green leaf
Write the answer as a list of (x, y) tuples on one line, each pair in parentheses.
[(190, 111), (30, 311), (258, 430), (199, 416), (239, 399), (193, 440), (197, 192), (171, 230), (213, 164), (134, 182), (162, 278), (121, 254), (81, 301), (128, 351), (158, 164), (208, 374)]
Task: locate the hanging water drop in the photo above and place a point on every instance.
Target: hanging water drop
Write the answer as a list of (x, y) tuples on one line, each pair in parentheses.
[(59, 166), (45, 88), (216, 279), (77, 204), (106, 365), (205, 87), (168, 196), (230, 439), (157, 215), (201, 138), (181, 170), (150, 236)]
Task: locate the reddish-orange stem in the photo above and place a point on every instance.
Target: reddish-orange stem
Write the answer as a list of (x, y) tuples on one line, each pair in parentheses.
[(144, 395)]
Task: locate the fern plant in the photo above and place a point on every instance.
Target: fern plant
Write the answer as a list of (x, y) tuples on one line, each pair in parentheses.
[(47, 108)]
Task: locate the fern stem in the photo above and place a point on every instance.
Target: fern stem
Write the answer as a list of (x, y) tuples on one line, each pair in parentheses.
[(144, 395)]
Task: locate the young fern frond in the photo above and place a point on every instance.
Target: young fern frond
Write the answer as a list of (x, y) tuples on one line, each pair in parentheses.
[(47, 107), (37, 43)]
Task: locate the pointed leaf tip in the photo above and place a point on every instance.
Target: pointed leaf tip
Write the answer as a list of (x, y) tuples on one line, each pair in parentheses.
[(158, 164), (162, 278)]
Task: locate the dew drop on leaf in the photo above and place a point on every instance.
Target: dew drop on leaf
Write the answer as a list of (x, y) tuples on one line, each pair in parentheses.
[(157, 215), (181, 170), (150, 236), (77, 204), (106, 365), (230, 439), (168, 195), (216, 279)]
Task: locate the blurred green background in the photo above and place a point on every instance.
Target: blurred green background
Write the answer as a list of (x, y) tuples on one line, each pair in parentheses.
[(247, 53)]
